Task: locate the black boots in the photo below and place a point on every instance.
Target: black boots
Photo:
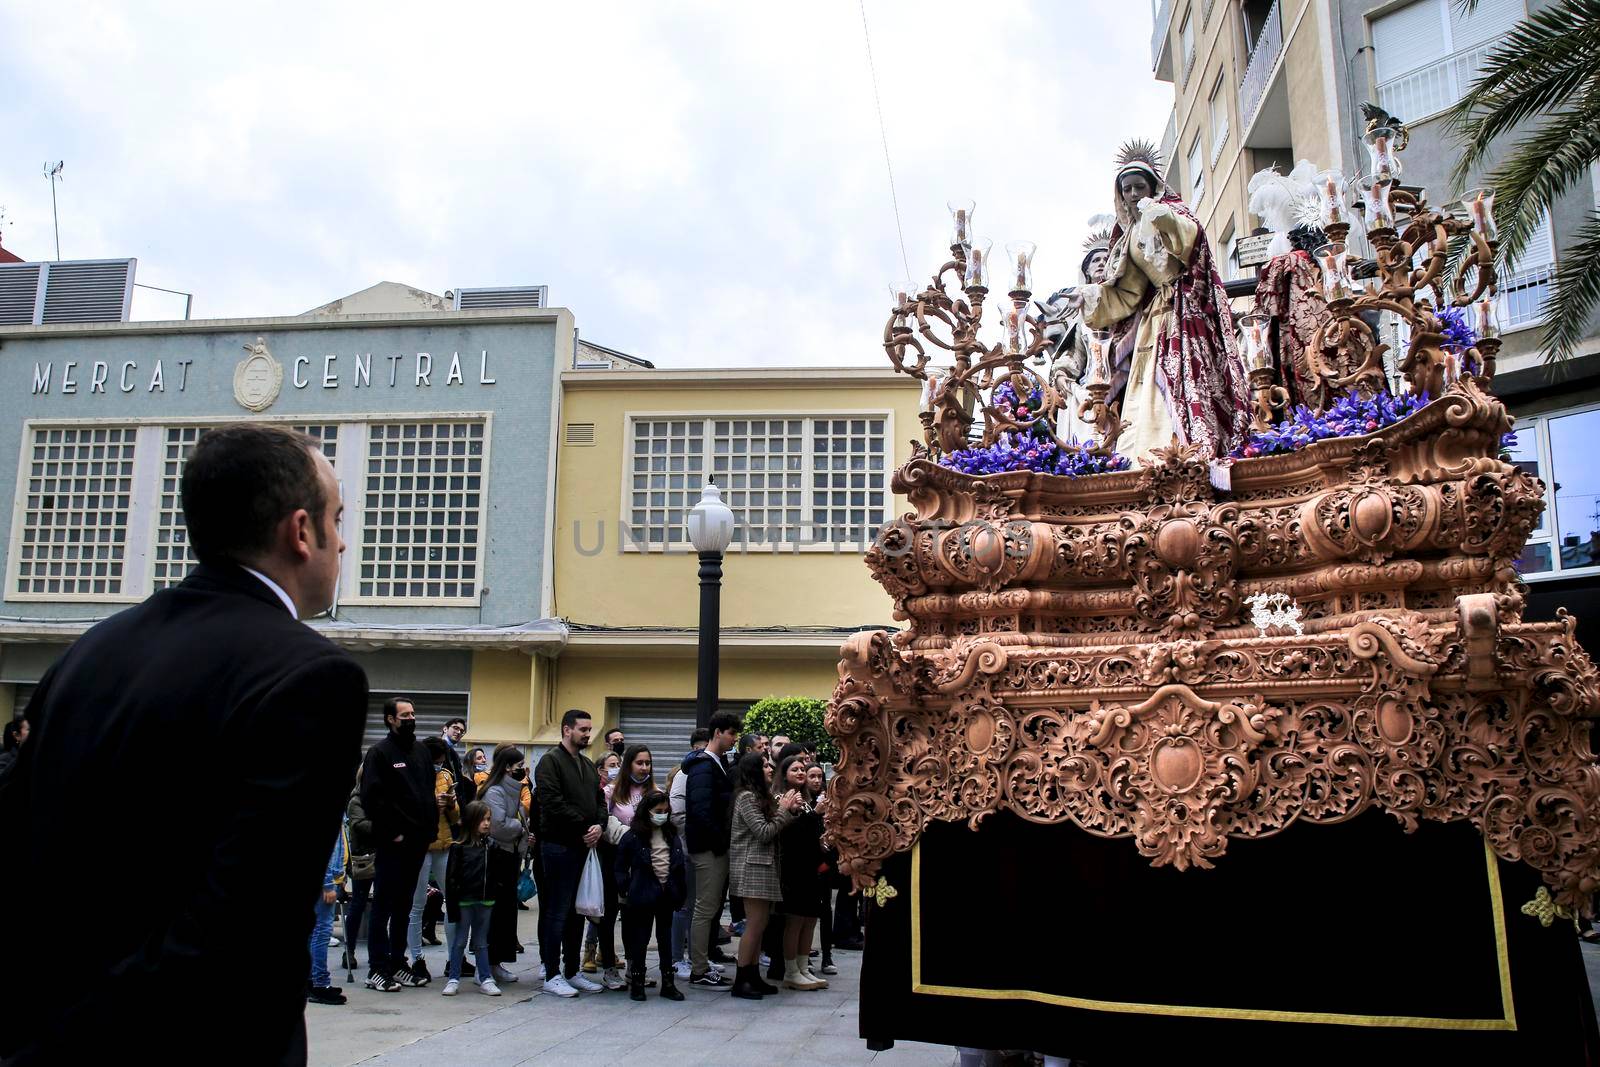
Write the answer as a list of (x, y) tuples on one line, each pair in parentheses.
[(636, 985), (766, 989), (669, 991), (747, 982)]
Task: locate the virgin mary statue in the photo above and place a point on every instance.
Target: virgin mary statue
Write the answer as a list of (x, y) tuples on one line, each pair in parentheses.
[(1169, 318)]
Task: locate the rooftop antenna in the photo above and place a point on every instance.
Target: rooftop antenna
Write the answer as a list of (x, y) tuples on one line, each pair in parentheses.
[(53, 172)]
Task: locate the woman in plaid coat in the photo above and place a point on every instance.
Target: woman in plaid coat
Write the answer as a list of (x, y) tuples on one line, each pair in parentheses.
[(757, 820)]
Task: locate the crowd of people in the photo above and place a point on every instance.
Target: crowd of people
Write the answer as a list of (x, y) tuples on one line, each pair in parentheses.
[(734, 825)]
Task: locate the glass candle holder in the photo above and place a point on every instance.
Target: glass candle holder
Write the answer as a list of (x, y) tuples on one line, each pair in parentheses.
[(1098, 371), (1381, 150), (1254, 335), (1334, 259), (1332, 208), (1485, 318), (961, 221), (1016, 322), (1020, 255), (1480, 209), (1379, 214), (977, 276)]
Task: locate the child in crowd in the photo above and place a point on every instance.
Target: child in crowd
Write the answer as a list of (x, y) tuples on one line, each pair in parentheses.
[(470, 892), (651, 884)]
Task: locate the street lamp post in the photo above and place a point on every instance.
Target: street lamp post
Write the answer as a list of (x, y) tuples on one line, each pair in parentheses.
[(710, 525)]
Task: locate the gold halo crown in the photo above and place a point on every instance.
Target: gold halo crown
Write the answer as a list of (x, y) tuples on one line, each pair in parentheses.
[(1099, 233), (1139, 154)]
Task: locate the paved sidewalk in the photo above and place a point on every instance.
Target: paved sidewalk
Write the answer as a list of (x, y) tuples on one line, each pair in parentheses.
[(421, 1027)]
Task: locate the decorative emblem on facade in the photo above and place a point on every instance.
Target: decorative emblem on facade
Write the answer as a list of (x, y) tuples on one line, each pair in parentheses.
[(1275, 609), (258, 378)]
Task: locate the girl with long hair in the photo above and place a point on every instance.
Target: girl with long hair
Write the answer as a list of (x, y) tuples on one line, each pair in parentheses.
[(758, 819), (800, 861), (652, 882), (469, 898)]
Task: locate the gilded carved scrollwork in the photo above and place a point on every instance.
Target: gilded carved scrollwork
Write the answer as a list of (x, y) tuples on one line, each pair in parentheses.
[(1075, 653)]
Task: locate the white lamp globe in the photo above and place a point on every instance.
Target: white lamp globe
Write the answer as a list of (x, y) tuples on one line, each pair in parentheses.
[(710, 522)]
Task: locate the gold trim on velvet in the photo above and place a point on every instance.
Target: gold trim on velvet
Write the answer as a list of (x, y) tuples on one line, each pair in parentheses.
[(1497, 908)]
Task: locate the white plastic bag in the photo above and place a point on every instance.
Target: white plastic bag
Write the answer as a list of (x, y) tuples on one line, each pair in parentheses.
[(592, 889)]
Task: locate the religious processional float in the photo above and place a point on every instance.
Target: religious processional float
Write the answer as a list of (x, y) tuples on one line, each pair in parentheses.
[(1240, 748)]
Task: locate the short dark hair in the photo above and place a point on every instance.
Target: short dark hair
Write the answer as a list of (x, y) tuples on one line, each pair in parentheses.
[(613, 730), (435, 746), (642, 825), (391, 707), (240, 481), (13, 730), (700, 736), (725, 720), (572, 716), (452, 721)]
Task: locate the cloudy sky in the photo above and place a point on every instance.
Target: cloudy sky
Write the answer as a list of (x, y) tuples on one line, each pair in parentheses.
[(702, 183)]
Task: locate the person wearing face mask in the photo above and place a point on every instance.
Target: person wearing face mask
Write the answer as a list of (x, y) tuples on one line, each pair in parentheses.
[(615, 741), (626, 783), (509, 834), (397, 793), (652, 880), (600, 939), (478, 769)]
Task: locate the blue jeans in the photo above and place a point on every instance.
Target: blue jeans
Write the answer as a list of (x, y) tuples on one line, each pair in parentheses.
[(560, 926), (320, 933), (683, 918), (432, 867), (474, 924)]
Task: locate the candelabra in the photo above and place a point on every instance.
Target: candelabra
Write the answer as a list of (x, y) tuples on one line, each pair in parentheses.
[(1403, 228), (947, 316)]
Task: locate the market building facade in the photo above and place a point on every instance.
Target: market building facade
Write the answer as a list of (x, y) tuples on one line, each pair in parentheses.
[(439, 424)]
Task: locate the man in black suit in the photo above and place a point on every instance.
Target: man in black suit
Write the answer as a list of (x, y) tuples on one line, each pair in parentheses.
[(169, 822)]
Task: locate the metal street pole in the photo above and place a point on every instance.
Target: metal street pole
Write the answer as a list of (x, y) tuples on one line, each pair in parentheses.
[(710, 637)]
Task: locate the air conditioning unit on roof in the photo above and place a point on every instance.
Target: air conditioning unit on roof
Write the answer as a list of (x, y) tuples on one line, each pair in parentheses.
[(509, 296)]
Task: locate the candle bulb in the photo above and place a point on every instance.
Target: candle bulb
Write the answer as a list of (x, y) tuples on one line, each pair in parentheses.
[(1452, 368), (1254, 330), (1099, 369), (961, 214), (1014, 323), (977, 276), (1480, 209), (1380, 216), (1330, 197), (1021, 256), (1334, 260), (1485, 320), (1385, 161)]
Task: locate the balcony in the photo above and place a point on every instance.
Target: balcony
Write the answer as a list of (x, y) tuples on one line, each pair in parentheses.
[(1263, 58), (1418, 94), (1161, 41), (1169, 142)]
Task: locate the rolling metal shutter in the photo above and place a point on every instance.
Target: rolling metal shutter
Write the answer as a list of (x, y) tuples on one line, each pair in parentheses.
[(432, 711), (664, 726)]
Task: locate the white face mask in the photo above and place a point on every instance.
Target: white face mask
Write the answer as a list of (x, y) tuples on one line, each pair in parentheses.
[(612, 772), (659, 818)]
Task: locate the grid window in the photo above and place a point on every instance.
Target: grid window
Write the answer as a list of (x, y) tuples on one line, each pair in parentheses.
[(75, 516), (848, 493), (668, 470), (788, 480), (172, 557), (760, 465), (326, 434), (421, 516)]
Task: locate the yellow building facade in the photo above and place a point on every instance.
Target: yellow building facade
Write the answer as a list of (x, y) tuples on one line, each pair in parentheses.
[(802, 456)]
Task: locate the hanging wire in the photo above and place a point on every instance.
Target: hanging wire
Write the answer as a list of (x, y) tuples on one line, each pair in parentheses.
[(905, 261)]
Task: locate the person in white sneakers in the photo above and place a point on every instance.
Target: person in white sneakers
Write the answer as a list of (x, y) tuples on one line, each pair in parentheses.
[(470, 892), (572, 818)]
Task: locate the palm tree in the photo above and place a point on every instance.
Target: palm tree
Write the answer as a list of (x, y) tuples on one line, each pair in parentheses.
[(1547, 68)]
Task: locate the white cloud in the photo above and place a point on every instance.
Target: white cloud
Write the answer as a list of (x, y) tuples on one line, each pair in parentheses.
[(702, 183)]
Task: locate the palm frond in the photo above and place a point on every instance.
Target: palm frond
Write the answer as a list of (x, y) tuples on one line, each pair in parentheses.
[(1574, 292), (1547, 59), (1540, 167)]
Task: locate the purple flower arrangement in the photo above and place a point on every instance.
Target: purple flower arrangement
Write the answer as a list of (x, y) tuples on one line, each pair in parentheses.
[(1458, 333), (1034, 449), (1350, 416)]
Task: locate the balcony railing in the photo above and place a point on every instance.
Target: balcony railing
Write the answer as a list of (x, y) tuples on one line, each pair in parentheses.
[(1169, 141), (1522, 296), (1158, 37), (1428, 90), (1263, 57)]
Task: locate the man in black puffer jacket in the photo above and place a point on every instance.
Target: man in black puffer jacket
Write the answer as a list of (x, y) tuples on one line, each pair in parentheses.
[(397, 791)]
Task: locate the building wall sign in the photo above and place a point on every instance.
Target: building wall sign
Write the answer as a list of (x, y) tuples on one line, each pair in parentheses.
[(258, 378)]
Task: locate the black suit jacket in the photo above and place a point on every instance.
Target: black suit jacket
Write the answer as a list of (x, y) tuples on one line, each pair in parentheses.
[(168, 827)]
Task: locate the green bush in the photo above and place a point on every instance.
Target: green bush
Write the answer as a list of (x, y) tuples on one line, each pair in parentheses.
[(798, 718)]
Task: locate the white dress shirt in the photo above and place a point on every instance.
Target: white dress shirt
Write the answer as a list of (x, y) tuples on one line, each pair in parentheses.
[(276, 588)]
